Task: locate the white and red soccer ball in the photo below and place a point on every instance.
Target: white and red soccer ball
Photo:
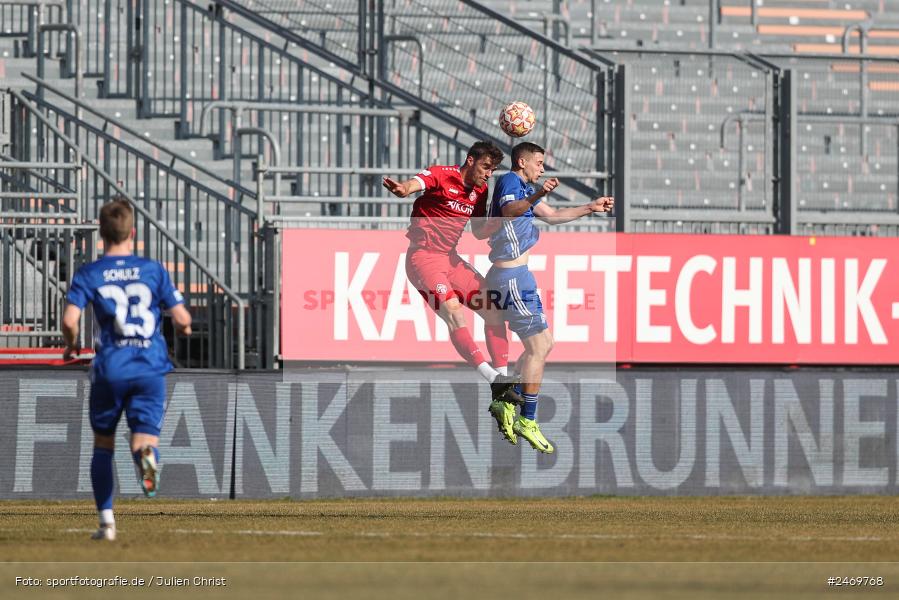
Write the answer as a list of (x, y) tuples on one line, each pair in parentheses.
[(517, 119)]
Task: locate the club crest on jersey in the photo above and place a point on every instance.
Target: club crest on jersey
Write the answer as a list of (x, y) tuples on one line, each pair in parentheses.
[(440, 288), (473, 196)]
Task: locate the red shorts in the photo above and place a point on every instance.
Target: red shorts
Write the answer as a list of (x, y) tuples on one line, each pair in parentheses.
[(438, 277)]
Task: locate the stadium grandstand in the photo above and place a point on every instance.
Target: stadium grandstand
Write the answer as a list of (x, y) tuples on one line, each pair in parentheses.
[(751, 147), (221, 118)]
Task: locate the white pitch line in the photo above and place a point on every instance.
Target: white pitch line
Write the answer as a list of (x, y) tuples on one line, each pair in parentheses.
[(619, 536), (282, 532), (488, 535), (248, 532), (190, 531)]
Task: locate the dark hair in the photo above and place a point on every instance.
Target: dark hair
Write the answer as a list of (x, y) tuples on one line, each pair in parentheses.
[(524, 148), (481, 149), (116, 221)]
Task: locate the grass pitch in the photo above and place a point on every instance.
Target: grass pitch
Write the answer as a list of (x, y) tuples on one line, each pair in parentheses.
[(628, 547)]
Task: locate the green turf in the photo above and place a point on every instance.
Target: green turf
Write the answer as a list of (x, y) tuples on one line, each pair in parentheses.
[(634, 547)]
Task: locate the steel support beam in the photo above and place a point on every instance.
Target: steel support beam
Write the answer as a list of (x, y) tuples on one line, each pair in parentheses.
[(786, 207), (622, 166)]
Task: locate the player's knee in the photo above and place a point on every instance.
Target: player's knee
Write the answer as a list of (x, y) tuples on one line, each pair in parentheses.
[(452, 313), (545, 345), (550, 344)]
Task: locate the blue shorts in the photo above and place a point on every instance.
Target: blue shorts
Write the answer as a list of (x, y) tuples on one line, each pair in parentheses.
[(142, 400), (514, 292)]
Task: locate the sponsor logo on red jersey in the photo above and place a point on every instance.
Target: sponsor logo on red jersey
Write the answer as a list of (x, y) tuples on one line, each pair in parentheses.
[(460, 207)]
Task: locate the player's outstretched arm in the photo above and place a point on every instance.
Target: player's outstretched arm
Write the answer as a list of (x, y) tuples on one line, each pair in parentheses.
[(181, 319), (71, 318), (401, 189), (602, 204), (554, 216), (519, 207)]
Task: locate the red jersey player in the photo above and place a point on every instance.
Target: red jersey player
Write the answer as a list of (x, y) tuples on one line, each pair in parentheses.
[(452, 196)]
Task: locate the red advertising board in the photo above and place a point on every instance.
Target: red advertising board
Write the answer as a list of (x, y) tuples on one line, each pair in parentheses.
[(611, 297)]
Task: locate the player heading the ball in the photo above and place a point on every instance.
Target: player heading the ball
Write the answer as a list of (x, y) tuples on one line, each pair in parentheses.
[(452, 196), (516, 204)]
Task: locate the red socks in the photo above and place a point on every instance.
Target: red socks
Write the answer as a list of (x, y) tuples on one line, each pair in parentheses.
[(466, 347), (497, 345)]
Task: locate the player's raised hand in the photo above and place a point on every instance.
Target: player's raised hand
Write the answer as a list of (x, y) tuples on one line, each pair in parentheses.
[(395, 187), (549, 185), (604, 204)]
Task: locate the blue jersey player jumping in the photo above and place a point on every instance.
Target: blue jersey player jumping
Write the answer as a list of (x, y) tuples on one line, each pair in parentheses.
[(128, 294), (512, 285)]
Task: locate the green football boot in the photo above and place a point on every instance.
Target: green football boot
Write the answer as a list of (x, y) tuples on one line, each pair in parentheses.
[(530, 431), (504, 415)]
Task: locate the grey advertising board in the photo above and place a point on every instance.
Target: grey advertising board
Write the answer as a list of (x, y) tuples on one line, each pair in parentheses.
[(331, 433)]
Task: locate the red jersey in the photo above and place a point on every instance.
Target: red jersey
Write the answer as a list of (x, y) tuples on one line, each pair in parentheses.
[(439, 215)]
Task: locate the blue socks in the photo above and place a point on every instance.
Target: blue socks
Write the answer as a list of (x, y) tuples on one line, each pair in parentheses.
[(529, 410), (102, 478)]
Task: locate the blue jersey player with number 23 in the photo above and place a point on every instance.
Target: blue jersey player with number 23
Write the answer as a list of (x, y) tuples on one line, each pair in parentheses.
[(128, 294)]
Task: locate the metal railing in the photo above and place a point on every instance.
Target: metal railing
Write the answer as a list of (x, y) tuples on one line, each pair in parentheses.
[(668, 105), (252, 64), (351, 181), (588, 111), (464, 63), (116, 59), (37, 258), (732, 222), (385, 206), (338, 27), (42, 242), (846, 146), (39, 189), (864, 31), (220, 312), (191, 56), (160, 151), (216, 228), (72, 62), (238, 130), (22, 18), (741, 120)]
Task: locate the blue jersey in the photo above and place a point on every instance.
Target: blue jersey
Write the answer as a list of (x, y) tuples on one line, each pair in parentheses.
[(128, 294), (517, 235)]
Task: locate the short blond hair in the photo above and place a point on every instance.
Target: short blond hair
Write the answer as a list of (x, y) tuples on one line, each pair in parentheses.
[(116, 221)]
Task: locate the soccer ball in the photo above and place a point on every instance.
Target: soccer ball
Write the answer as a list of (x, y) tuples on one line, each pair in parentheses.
[(517, 119)]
